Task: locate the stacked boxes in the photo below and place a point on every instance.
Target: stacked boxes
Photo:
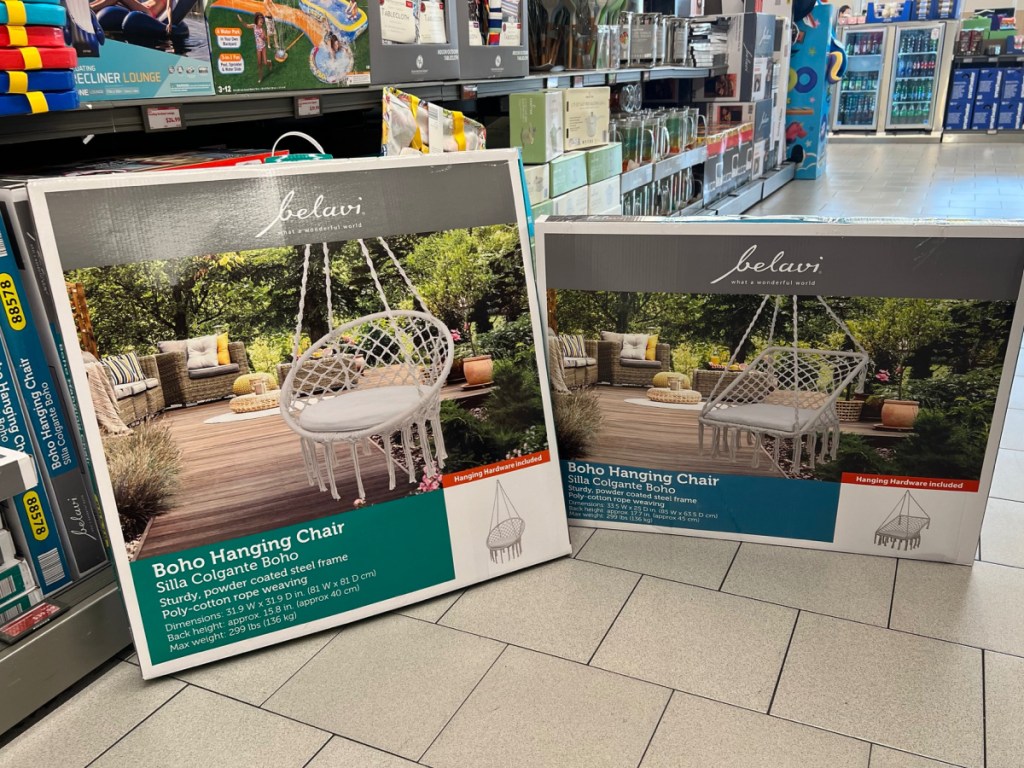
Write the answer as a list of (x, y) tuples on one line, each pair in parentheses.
[(36, 66), (751, 43), (986, 99)]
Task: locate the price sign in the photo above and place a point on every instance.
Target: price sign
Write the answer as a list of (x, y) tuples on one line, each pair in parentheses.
[(307, 106), (163, 119)]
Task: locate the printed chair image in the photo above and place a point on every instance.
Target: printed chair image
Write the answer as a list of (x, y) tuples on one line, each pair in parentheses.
[(787, 392), (902, 528), (185, 383), (395, 365)]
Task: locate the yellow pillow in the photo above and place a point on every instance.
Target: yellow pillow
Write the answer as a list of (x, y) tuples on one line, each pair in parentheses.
[(223, 358), (652, 348)]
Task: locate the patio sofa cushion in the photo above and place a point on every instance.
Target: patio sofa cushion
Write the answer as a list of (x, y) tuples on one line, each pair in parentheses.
[(359, 409), (214, 370), (573, 345), (578, 362), (634, 346), (172, 346), (123, 369), (122, 391), (202, 353), (612, 336), (627, 363)]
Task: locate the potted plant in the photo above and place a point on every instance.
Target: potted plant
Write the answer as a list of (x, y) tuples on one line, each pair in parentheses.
[(897, 413), (478, 368), (457, 374)]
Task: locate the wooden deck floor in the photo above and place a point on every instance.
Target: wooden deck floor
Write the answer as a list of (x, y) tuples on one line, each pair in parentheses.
[(661, 438), (245, 477)]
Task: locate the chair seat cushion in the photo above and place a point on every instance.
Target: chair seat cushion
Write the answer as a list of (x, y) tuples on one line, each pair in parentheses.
[(578, 362), (626, 362), (778, 418), (213, 370), (122, 391), (151, 383), (359, 409)]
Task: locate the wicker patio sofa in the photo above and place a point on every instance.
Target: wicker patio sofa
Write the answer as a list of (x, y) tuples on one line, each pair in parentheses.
[(137, 400), (611, 368), (184, 387)]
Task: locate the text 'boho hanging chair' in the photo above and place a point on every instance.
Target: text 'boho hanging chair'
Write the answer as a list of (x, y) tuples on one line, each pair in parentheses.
[(505, 539), (786, 392), (902, 528), (373, 377)]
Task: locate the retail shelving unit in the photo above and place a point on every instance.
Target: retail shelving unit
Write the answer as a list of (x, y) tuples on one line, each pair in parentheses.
[(968, 136)]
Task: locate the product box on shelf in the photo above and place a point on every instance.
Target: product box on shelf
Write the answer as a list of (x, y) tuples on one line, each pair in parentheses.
[(958, 116), (1013, 79), (535, 125), (412, 41), (1008, 115), (946, 9), (538, 182), (964, 86), (546, 208), (14, 606), (782, 412), (288, 45), (483, 55), (604, 162), (586, 118), (603, 195), (990, 85), (127, 54), (568, 172), (780, 85), (15, 576), (574, 203), (352, 489), (758, 114), (7, 550), (983, 116), (807, 108), (751, 42)]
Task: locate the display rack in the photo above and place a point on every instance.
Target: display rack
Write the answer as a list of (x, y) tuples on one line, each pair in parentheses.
[(994, 135)]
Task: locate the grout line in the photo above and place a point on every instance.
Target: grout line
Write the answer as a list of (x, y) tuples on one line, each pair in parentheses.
[(446, 610), (984, 715), (593, 533), (323, 746), (782, 666), (612, 624), (301, 667), (892, 595), (731, 562), (459, 708), (134, 727), (657, 725)]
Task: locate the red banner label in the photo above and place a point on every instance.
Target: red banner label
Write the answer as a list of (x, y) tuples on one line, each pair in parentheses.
[(498, 468), (912, 483)]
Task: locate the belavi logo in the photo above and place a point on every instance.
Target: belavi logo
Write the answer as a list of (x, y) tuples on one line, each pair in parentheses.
[(317, 211), (497, 61), (419, 62), (778, 265)]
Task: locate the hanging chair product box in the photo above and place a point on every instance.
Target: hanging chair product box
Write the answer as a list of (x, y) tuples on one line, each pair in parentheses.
[(125, 54), (342, 473), (828, 384)]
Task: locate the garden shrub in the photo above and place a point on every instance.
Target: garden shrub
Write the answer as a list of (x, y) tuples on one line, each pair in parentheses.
[(578, 420), (509, 341), (144, 472), (855, 455), (515, 405)]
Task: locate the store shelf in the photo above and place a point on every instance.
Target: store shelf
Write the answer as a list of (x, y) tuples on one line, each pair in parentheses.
[(130, 116), (778, 178), (680, 162), (1006, 58), (982, 137), (750, 194)]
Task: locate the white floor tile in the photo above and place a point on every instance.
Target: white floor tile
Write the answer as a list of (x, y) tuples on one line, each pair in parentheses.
[(1013, 430), (1008, 477), (688, 559), (910, 693), (1004, 710), (578, 537), (390, 682), (857, 587), (724, 647), (881, 757), (1002, 533), (979, 605), (536, 711), (699, 733), (431, 610), (342, 753), (82, 728), (199, 728)]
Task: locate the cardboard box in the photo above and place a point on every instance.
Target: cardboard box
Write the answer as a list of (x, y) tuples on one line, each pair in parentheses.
[(547, 208), (537, 182), (571, 203), (603, 195), (990, 84), (341, 44), (912, 504), (807, 104), (478, 61), (536, 125), (568, 172), (751, 43), (406, 62), (604, 162), (1013, 79), (983, 117), (1008, 115), (15, 577), (7, 550), (587, 113), (965, 85), (958, 116), (758, 113), (15, 605), (126, 66)]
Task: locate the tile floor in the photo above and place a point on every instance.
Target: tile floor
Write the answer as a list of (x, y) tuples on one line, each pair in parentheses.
[(641, 650)]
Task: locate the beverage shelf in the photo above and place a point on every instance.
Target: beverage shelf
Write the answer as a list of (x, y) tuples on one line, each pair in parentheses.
[(917, 53)]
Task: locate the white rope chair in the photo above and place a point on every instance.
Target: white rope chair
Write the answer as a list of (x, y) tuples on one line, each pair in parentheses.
[(902, 528), (505, 538), (373, 377), (785, 392)]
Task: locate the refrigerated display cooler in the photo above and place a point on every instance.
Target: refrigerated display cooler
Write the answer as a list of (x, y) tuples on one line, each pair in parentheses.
[(896, 77)]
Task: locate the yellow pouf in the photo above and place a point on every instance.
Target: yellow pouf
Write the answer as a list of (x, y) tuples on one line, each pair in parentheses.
[(243, 384), (664, 379), (677, 396), (250, 403)]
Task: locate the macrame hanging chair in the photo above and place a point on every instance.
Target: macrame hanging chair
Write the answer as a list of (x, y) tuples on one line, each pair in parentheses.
[(786, 392), (505, 539), (367, 381), (902, 528)]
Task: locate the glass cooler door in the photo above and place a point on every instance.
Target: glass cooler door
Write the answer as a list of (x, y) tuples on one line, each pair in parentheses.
[(857, 100), (915, 70)]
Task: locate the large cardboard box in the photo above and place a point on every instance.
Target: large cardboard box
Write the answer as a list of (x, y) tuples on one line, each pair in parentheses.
[(361, 485), (536, 125), (780, 440), (751, 41), (807, 107)]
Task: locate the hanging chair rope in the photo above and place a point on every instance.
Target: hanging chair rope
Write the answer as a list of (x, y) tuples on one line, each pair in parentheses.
[(849, 334), (405, 277), (302, 306), (327, 289)]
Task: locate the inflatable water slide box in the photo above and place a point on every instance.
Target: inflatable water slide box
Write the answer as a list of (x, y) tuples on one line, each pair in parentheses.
[(288, 45), (126, 54)]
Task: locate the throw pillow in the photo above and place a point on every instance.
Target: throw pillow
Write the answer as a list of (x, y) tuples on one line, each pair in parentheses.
[(611, 336), (223, 357), (163, 347), (124, 369), (202, 352), (573, 345), (652, 348), (634, 346)]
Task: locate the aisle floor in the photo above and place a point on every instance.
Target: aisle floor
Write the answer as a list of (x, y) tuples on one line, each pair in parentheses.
[(641, 649)]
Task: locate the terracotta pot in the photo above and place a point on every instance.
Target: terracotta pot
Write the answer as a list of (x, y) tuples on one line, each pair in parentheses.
[(900, 413), (478, 370)]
